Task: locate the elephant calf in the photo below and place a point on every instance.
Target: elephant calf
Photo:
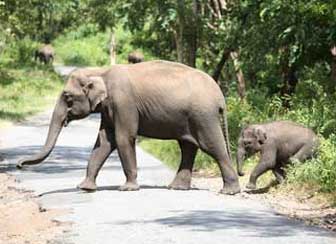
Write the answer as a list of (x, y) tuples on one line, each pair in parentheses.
[(279, 143), (45, 54)]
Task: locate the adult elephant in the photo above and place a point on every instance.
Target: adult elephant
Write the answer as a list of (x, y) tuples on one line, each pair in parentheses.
[(45, 54), (157, 99), (135, 57)]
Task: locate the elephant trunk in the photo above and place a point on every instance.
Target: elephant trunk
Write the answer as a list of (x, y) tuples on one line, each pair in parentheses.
[(240, 158), (57, 121)]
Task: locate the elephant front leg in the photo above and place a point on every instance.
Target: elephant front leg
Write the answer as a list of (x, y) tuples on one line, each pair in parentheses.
[(267, 162), (126, 150), (126, 128), (182, 179), (104, 145)]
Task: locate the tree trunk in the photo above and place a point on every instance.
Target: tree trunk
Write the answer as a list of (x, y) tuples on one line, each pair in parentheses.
[(333, 65), (288, 76), (192, 35), (179, 32), (113, 55), (289, 84), (216, 8), (239, 74), (221, 64)]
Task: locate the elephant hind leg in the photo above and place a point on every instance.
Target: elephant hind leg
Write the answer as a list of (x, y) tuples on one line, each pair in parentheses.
[(211, 141), (305, 152), (182, 179)]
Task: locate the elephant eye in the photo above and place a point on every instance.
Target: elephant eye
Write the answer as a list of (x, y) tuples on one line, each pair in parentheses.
[(68, 99), (247, 143), (69, 103)]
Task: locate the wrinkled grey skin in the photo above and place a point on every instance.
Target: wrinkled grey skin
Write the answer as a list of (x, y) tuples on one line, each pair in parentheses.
[(156, 99), (279, 143), (45, 54), (135, 57)]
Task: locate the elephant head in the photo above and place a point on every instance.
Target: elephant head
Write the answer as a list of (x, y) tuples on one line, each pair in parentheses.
[(250, 142), (84, 91)]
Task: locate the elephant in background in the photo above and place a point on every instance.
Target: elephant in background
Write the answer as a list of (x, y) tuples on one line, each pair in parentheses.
[(135, 57), (45, 54), (279, 143), (157, 99)]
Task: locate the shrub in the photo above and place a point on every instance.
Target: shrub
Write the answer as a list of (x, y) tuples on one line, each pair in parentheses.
[(19, 53), (87, 51), (320, 170)]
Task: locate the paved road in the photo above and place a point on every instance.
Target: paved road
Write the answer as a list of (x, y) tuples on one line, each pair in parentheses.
[(152, 215)]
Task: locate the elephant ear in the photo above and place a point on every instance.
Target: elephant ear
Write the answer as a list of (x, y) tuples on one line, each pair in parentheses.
[(260, 135), (95, 90)]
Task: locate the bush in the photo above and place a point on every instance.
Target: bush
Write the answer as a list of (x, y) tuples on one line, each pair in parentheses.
[(26, 91), (19, 53), (90, 50), (320, 170)]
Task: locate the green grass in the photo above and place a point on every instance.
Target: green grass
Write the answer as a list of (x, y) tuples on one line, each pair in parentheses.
[(168, 151), (26, 91)]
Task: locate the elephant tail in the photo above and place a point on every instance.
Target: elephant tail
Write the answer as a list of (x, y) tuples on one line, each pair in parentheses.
[(224, 126)]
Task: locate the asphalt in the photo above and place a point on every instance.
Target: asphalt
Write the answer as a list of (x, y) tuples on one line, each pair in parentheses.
[(152, 215)]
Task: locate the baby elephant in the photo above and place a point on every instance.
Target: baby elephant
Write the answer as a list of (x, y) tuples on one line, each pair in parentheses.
[(279, 143)]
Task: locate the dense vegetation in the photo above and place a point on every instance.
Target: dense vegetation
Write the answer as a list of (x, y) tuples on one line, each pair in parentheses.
[(274, 59)]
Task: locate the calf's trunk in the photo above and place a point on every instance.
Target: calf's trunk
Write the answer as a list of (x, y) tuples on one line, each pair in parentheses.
[(240, 158)]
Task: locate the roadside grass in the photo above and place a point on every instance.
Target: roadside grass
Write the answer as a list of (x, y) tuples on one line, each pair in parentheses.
[(26, 91), (168, 151)]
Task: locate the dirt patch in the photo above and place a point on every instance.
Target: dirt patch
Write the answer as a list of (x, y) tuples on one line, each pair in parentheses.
[(22, 219), (300, 203), (304, 204)]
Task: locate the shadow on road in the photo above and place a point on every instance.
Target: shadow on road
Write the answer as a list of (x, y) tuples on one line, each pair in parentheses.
[(62, 159), (104, 188), (255, 224)]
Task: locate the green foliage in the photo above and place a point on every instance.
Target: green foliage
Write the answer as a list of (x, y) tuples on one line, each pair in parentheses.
[(26, 91), (40, 20), (20, 52), (87, 46), (83, 47), (320, 170)]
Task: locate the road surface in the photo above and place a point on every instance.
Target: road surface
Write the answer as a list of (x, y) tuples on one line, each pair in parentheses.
[(152, 215)]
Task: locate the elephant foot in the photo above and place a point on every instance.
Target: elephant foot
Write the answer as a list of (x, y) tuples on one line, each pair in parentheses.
[(129, 186), (230, 189), (175, 185), (182, 181), (87, 185), (251, 186)]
